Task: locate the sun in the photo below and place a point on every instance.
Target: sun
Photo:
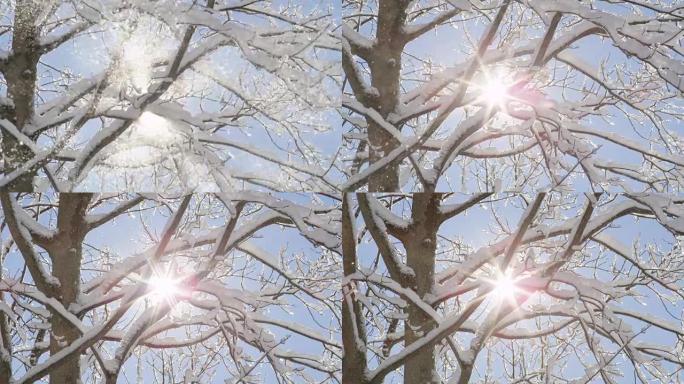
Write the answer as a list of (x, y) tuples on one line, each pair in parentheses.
[(164, 288), (148, 142), (493, 89), (505, 287), (156, 129), (494, 92)]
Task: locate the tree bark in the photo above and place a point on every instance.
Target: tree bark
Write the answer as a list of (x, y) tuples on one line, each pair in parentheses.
[(420, 257), (20, 73), (5, 341), (385, 71), (66, 253), (354, 365)]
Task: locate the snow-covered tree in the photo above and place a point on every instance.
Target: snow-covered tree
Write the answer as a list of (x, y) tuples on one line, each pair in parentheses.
[(113, 112), (471, 95), (546, 288), (166, 95), (520, 96), (239, 287)]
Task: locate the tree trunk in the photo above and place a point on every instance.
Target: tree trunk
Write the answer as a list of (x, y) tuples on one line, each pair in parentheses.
[(111, 378), (20, 74), (420, 257), (5, 342), (385, 69), (65, 252), (381, 144), (354, 365)]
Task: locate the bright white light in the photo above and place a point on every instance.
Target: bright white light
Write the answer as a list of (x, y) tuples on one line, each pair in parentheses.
[(136, 63), (504, 286), (139, 46), (148, 142), (493, 88), (155, 129), (494, 92), (163, 288)]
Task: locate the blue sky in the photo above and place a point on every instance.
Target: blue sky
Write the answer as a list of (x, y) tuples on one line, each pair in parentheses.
[(88, 55), (449, 45), (443, 46), (474, 229), (125, 237)]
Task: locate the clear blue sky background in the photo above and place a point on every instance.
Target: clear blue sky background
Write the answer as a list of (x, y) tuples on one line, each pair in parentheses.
[(89, 55), (125, 238), (474, 229), (447, 46)]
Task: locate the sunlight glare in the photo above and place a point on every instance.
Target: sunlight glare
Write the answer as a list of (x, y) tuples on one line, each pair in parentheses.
[(140, 42), (163, 288), (494, 92), (504, 286), (156, 128), (494, 89), (137, 61), (138, 65), (148, 142)]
